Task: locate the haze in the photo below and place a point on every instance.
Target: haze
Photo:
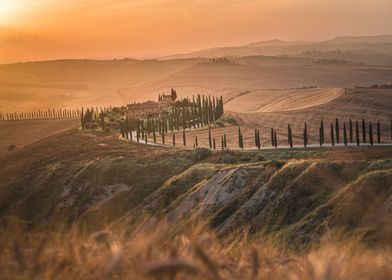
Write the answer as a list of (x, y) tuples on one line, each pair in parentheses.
[(52, 29)]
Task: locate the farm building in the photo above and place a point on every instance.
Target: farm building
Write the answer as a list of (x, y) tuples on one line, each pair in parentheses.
[(144, 110)]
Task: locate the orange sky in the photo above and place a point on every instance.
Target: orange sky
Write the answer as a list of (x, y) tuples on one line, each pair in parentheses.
[(50, 29)]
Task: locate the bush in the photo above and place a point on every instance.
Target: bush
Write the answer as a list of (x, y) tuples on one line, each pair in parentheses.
[(11, 147), (227, 158), (201, 154)]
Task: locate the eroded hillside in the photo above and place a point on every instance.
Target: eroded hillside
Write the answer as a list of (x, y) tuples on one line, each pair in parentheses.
[(97, 181)]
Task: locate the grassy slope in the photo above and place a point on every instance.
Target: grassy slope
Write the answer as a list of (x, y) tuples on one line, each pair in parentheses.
[(98, 180), (22, 133)]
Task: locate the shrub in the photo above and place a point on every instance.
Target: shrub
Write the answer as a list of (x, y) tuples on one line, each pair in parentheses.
[(201, 154), (227, 158)]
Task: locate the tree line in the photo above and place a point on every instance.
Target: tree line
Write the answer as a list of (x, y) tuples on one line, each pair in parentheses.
[(41, 114), (337, 132)]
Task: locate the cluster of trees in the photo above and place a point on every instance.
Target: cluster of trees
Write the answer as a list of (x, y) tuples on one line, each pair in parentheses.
[(93, 117), (41, 114), (183, 114)]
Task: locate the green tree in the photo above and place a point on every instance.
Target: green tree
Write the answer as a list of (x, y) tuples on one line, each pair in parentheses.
[(337, 131), (378, 132), (371, 133), (290, 136), (209, 138), (357, 132)]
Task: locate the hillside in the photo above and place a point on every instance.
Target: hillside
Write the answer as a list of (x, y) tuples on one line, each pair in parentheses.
[(76, 83), (52, 182), (22, 133), (373, 50)]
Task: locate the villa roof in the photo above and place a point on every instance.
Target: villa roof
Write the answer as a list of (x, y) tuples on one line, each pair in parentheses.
[(144, 105)]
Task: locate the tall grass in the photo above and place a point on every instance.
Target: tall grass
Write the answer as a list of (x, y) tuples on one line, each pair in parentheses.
[(196, 254)]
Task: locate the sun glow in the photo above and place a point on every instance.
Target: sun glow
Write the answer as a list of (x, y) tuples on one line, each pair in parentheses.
[(8, 10)]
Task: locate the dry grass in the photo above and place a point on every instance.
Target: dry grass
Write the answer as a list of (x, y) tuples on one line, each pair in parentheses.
[(193, 255)]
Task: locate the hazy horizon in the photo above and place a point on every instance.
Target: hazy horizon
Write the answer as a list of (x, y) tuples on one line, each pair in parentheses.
[(106, 29)]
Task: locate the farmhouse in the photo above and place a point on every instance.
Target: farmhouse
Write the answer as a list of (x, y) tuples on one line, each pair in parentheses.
[(144, 110)]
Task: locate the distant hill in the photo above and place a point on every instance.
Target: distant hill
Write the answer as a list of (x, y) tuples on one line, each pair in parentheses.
[(372, 50)]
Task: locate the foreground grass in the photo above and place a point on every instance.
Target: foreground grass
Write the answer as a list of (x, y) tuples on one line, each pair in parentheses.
[(196, 254)]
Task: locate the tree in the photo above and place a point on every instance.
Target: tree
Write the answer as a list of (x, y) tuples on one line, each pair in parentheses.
[(344, 134), (378, 132), (173, 95), (214, 144), (102, 121), (337, 131), (371, 133), (290, 136), (258, 140), (209, 138), (154, 136), (240, 138), (305, 136), (351, 131), (357, 132), (363, 131), (272, 138), (174, 139), (225, 141), (183, 137), (332, 136), (82, 119), (163, 137)]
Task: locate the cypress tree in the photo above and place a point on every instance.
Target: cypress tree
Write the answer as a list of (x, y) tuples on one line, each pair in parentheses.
[(145, 138), (272, 138), (209, 138), (222, 143), (239, 138), (183, 137), (332, 136), (163, 136), (363, 131), (82, 119), (357, 132), (196, 142), (214, 144), (337, 131), (174, 139), (290, 136), (154, 136), (371, 133), (137, 131), (344, 134), (225, 141), (305, 136), (351, 131), (125, 127), (378, 133), (256, 140), (102, 121)]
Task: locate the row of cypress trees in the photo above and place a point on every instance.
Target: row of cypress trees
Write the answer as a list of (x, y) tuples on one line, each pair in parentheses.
[(41, 114)]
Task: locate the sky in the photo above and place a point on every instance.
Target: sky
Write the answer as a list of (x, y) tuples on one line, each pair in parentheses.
[(54, 29)]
